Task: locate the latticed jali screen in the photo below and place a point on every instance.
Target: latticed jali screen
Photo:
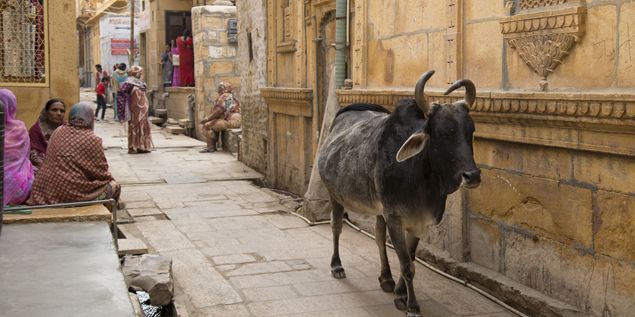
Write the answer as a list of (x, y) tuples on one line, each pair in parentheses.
[(23, 59)]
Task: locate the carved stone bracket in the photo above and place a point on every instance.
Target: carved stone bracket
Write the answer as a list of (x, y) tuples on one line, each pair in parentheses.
[(543, 39), (290, 101)]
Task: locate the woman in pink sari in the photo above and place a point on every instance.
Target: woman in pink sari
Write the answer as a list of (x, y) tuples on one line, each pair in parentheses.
[(18, 171)]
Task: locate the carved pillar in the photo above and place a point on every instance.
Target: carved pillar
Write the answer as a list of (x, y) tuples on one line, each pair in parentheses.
[(454, 40), (359, 49), (544, 38)]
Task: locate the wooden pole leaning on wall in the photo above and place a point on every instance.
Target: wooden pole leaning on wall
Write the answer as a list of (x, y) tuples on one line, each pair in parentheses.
[(131, 45)]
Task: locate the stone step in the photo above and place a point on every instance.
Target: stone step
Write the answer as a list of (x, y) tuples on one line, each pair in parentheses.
[(161, 112), (185, 123), (131, 246), (231, 140), (157, 120), (174, 129)]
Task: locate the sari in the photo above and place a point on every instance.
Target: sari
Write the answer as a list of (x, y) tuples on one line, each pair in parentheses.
[(118, 78), (75, 168), (186, 65), (132, 95), (176, 69), (18, 171)]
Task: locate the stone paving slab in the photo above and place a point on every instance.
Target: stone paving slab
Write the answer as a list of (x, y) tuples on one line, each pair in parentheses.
[(61, 269)]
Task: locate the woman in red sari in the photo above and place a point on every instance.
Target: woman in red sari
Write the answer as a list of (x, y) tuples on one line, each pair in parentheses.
[(186, 55)]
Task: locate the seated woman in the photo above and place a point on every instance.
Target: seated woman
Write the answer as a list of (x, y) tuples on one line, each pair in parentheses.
[(51, 117), (224, 115), (75, 167), (18, 171)]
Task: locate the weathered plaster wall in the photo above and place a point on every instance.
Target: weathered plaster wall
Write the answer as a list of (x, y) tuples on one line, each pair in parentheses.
[(63, 63), (252, 62), (214, 56)]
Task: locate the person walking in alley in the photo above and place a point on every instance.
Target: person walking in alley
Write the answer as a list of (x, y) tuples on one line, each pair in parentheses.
[(118, 78), (75, 167), (51, 117), (186, 59), (101, 98), (133, 107), (99, 74), (224, 115), (18, 171)]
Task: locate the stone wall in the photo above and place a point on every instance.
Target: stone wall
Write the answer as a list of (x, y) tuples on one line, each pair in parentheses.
[(63, 80), (175, 101), (555, 120), (214, 56), (252, 62)]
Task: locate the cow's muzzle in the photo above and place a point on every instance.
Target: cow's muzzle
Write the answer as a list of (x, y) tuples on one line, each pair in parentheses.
[(471, 179)]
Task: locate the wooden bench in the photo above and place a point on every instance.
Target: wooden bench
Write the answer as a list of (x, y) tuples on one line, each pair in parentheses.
[(69, 214)]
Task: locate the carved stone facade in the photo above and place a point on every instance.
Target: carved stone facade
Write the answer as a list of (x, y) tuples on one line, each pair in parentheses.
[(62, 55), (543, 39), (556, 207)]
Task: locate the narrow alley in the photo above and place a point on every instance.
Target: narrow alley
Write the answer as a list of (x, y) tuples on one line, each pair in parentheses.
[(238, 251)]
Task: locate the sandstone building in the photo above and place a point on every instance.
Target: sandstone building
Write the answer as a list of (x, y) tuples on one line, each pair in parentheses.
[(555, 118), (37, 61)]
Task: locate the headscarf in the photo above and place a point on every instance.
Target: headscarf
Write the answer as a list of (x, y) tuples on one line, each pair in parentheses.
[(136, 72), (43, 128), (226, 99), (123, 96), (18, 171), (82, 116)]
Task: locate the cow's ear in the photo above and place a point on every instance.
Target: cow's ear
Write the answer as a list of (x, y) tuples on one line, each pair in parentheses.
[(413, 146)]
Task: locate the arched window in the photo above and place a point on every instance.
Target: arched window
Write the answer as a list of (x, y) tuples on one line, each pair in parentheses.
[(23, 41)]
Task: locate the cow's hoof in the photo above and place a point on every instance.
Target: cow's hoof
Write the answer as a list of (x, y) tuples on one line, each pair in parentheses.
[(400, 303), (387, 285), (338, 272)]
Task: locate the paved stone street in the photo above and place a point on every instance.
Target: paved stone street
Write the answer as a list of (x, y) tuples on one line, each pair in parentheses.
[(238, 252)]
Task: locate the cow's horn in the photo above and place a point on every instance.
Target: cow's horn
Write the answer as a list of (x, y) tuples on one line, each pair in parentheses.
[(470, 90), (420, 97)]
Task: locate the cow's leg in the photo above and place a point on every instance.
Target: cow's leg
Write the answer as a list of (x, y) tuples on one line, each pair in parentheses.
[(336, 225), (401, 293), (385, 278), (397, 235)]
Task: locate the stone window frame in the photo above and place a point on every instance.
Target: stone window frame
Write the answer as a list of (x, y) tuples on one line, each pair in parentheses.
[(37, 59)]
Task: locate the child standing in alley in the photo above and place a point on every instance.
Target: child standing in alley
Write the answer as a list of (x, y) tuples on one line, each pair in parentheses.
[(101, 97)]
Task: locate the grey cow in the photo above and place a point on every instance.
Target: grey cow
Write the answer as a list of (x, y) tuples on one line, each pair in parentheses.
[(400, 167)]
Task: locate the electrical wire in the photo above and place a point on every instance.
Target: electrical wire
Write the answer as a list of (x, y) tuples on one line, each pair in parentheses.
[(424, 263)]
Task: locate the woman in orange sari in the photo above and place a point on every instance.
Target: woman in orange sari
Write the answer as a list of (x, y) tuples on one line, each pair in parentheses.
[(132, 95)]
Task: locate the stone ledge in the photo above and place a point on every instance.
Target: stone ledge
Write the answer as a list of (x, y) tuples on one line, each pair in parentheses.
[(597, 122), (514, 294), (187, 90), (71, 214)]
